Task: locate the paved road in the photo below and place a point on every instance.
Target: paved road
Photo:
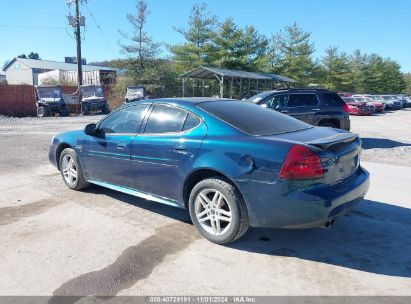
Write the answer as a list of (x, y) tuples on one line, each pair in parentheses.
[(54, 241)]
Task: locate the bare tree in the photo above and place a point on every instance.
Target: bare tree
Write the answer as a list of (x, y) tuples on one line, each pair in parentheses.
[(141, 47)]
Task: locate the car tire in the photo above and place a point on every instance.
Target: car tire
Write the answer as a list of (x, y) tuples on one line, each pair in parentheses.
[(84, 109), (42, 112), (218, 211), (71, 171), (64, 112)]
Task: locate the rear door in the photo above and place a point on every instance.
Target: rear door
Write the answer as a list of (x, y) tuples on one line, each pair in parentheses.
[(302, 106), (165, 150)]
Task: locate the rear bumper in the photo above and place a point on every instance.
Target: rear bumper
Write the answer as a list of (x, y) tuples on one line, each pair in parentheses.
[(306, 208), (362, 112)]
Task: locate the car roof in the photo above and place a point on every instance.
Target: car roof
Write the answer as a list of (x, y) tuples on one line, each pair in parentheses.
[(187, 100), (296, 90)]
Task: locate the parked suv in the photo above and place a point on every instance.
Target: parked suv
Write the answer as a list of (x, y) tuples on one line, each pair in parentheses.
[(314, 106)]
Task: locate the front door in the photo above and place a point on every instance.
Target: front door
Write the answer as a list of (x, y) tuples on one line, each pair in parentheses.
[(106, 155), (164, 152)]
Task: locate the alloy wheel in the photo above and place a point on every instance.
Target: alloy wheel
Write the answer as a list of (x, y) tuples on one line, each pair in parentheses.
[(69, 169), (213, 211)]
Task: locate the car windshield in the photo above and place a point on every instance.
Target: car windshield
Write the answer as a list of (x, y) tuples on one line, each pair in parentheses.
[(260, 96), (49, 92), (87, 92), (253, 119), (386, 97)]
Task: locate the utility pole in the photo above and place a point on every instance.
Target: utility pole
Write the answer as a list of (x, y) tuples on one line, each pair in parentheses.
[(78, 40), (76, 22)]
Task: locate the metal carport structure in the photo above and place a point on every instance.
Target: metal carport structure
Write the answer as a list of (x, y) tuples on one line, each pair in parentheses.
[(222, 75)]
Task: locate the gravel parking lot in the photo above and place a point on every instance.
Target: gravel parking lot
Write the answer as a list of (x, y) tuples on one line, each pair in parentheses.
[(55, 241)]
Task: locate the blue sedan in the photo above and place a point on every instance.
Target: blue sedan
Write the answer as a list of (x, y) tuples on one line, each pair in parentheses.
[(232, 164)]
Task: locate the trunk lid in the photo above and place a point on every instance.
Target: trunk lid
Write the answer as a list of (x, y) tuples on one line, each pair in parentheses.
[(339, 150)]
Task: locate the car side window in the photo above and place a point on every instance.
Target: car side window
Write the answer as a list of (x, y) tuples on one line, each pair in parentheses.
[(127, 120), (191, 122), (332, 100), (302, 100), (277, 102), (166, 119)]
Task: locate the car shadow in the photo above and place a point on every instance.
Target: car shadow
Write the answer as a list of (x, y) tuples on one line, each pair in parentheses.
[(375, 237), (161, 209), (381, 143)]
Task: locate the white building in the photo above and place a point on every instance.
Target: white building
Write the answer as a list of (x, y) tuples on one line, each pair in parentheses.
[(27, 71)]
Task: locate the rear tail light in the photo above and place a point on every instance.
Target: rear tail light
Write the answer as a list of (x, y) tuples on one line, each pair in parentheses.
[(345, 108), (301, 163)]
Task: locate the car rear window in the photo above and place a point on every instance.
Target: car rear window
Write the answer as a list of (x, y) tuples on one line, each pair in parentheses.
[(332, 100), (253, 119)]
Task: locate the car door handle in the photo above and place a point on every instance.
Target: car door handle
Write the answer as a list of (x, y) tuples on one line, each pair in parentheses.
[(121, 146), (316, 109), (284, 111)]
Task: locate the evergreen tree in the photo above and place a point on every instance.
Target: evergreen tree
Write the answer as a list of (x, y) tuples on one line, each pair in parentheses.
[(241, 49), (253, 50), (407, 79), (373, 72), (393, 80), (293, 50), (227, 46), (198, 46), (357, 62), (336, 70), (33, 55)]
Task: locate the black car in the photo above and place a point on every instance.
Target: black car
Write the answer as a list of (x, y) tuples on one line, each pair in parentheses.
[(314, 106), (49, 101)]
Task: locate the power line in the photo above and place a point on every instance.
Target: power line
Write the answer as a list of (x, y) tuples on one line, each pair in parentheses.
[(32, 27), (101, 32)]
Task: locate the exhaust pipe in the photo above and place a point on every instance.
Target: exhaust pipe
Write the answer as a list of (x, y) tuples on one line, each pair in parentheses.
[(328, 224)]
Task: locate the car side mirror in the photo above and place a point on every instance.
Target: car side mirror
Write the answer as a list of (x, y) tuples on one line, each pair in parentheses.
[(91, 129)]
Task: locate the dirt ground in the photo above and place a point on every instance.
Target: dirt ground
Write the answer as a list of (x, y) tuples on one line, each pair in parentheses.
[(54, 241), (386, 137)]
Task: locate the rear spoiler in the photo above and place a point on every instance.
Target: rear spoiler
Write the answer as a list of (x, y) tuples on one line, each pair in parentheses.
[(327, 142)]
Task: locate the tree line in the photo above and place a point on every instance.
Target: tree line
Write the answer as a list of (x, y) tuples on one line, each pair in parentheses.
[(289, 52)]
